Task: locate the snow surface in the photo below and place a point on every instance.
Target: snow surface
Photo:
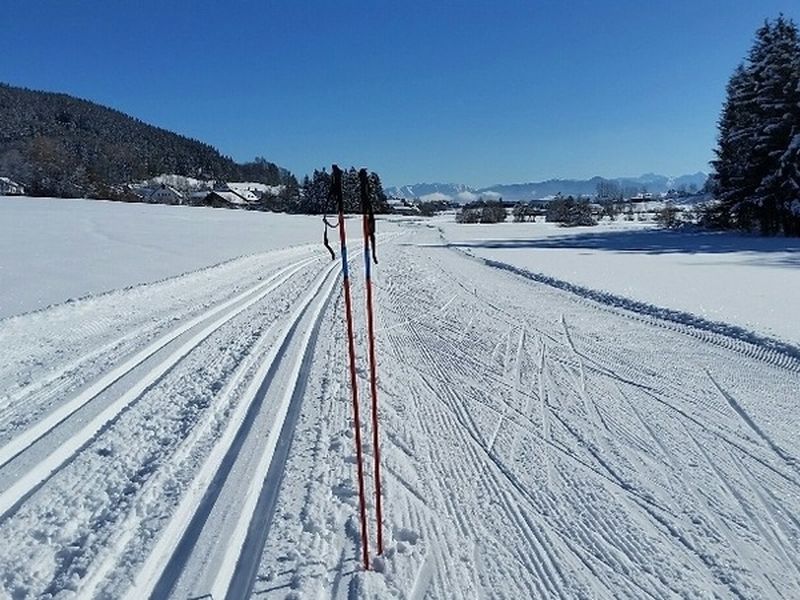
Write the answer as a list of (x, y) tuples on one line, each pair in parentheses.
[(52, 250), (749, 281), (194, 435)]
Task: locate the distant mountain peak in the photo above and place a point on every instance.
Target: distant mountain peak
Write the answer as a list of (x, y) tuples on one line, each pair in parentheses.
[(651, 182), (419, 190)]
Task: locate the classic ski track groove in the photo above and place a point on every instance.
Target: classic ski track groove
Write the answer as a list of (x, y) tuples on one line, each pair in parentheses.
[(244, 299), (61, 455), (234, 558), (127, 527), (172, 536), (51, 383)]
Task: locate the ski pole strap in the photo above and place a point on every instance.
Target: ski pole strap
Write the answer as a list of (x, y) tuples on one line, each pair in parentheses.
[(366, 209), (334, 193), (325, 236)]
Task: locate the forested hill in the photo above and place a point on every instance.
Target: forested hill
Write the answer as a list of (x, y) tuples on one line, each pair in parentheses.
[(58, 145)]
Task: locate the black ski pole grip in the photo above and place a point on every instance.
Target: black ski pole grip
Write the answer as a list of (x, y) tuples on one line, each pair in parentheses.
[(364, 185), (336, 187), (366, 209)]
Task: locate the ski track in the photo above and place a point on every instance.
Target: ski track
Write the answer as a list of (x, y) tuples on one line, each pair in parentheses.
[(33, 434), (37, 371), (600, 426), (540, 440)]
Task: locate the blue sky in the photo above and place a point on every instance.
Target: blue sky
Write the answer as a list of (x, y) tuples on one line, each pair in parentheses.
[(468, 92)]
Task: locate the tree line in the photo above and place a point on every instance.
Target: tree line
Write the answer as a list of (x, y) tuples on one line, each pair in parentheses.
[(313, 196), (482, 211)]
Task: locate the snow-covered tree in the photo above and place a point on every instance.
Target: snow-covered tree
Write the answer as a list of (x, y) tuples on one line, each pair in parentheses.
[(774, 61), (757, 169), (789, 171), (316, 197), (734, 185)]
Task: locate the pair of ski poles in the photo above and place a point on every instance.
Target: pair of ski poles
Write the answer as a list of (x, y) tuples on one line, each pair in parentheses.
[(368, 225)]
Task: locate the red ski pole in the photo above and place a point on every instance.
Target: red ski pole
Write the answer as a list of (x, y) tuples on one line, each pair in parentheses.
[(368, 220), (339, 197)]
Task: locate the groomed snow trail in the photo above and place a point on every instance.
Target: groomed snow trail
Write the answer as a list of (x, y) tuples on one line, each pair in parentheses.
[(193, 438), (92, 476), (541, 444)]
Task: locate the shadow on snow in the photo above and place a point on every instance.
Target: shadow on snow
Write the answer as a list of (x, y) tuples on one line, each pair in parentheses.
[(655, 241)]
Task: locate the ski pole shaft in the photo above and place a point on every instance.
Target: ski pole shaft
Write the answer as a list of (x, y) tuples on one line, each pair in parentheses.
[(339, 197), (369, 237)]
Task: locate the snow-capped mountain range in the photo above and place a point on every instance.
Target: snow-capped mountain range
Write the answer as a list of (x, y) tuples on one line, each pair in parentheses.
[(649, 182)]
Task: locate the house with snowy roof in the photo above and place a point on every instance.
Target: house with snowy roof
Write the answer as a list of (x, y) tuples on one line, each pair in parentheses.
[(10, 188), (225, 199), (250, 191), (165, 194)]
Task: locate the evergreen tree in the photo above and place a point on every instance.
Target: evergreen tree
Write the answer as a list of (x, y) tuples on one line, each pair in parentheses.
[(570, 212), (380, 203), (736, 127), (482, 211), (287, 200), (790, 179), (757, 169), (315, 197), (789, 169), (774, 61), (351, 189), (316, 194)]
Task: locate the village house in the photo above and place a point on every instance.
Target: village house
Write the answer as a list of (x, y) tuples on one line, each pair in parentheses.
[(251, 192), (165, 194), (642, 197), (10, 188), (405, 209), (225, 199)]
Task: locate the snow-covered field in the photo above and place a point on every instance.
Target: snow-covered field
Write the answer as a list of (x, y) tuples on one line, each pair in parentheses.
[(52, 250), (193, 437), (749, 281)]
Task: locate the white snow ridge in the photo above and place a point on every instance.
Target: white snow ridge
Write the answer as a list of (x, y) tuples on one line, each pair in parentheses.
[(542, 435)]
